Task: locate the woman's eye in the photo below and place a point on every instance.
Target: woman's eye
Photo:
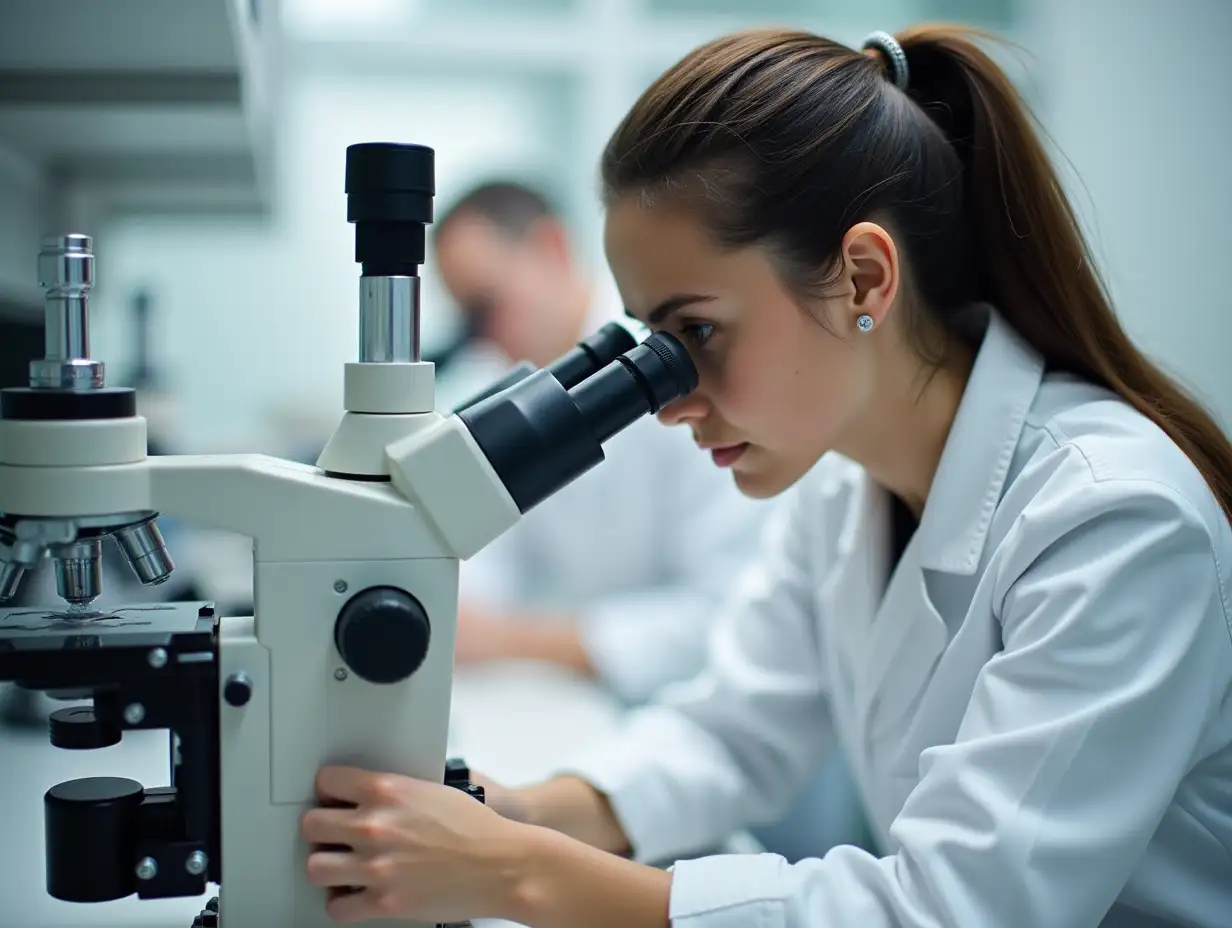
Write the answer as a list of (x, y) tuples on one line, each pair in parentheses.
[(698, 332)]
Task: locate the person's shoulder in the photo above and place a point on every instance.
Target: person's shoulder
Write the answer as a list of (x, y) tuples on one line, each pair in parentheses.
[(1087, 457), (1107, 443)]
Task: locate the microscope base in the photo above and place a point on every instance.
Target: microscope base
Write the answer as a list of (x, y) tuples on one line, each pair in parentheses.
[(151, 666)]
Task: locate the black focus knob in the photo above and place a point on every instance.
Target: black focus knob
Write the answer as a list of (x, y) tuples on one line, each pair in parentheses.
[(382, 634), (238, 689)]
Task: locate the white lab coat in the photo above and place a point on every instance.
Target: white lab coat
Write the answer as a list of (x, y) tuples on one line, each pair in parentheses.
[(641, 550), (1038, 709)]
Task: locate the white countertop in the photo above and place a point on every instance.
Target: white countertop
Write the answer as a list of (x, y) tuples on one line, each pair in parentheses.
[(511, 723)]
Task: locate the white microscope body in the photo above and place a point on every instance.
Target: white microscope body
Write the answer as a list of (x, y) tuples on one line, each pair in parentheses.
[(349, 656)]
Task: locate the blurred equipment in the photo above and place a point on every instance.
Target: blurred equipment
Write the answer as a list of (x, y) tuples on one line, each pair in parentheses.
[(355, 573), (143, 375)]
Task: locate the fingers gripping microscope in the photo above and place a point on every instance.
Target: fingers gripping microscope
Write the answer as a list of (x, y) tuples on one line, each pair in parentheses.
[(348, 657)]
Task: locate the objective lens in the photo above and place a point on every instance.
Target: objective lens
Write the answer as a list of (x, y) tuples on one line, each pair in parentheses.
[(79, 570), (10, 579), (146, 552)]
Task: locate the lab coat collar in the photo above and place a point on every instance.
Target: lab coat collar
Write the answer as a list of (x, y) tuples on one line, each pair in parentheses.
[(975, 461)]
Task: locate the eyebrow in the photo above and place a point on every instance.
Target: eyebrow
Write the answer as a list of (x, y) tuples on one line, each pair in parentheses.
[(670, 305)]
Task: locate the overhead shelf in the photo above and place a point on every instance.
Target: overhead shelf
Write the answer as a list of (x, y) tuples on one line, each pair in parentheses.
[(114, 107)]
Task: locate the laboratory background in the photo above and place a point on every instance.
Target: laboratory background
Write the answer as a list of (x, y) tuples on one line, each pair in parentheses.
[(202, 145)]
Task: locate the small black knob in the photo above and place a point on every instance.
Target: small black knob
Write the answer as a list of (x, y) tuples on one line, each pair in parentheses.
[(238, 689), (382, 634), (456, 772)]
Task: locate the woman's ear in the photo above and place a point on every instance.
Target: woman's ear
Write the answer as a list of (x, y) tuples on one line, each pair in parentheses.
[(870, 264)]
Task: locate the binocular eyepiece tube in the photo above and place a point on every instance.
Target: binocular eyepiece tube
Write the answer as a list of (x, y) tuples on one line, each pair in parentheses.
[(540, 435), (585, 359)]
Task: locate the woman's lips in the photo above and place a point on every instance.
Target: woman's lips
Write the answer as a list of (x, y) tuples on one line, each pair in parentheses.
[(726, 457)]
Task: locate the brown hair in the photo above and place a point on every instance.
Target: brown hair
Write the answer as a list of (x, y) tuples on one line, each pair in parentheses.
[(786, 139)]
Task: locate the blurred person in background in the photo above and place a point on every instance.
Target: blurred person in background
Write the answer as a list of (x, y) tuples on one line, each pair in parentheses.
[(621, 575)]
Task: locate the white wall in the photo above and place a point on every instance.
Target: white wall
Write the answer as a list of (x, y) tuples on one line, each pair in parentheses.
[(276, 303), (24, 204), (1136, 94)]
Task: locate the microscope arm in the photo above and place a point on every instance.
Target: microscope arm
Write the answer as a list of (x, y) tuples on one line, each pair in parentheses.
[(292, 511)]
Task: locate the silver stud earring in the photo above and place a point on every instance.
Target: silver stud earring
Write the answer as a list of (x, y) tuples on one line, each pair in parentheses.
[(865, 323)]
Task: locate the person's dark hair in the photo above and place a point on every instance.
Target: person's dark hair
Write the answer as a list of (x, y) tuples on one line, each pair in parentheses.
[(785, 139), (510, 206)]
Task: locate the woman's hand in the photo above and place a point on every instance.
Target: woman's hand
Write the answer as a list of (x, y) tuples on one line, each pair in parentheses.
[(409, 849), (405, 848)]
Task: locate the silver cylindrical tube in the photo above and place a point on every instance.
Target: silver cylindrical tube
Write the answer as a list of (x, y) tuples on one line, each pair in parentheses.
[(146, 552), (79, 568), (66, 274), (67, 337), (388, 319)]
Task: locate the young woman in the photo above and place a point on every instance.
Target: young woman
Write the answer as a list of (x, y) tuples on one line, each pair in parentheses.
[(1002, 580)]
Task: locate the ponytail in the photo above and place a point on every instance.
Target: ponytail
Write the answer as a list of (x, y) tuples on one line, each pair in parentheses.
[(1031, 257)]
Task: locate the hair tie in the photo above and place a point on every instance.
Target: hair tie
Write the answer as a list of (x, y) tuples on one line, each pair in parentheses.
[(893, 52)]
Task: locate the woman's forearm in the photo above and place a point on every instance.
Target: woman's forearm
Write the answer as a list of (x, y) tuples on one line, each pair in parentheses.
[(573, 807), (563, 883), (553, 642)]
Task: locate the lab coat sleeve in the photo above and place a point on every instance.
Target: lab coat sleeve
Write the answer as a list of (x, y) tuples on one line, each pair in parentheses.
[(732, 745), (1070, 751), (704, 533)]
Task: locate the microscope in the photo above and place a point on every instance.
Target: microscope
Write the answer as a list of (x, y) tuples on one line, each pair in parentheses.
[(348, 657)]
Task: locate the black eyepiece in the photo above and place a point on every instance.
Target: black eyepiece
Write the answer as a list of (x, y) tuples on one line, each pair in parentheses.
[(664, 365), (389, 190), (539, 436), (646, 379)]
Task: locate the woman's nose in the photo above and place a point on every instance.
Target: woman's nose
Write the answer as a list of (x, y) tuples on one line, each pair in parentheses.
[(683, 410)]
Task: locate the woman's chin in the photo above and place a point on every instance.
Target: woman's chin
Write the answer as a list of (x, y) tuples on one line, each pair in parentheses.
[(760, 475)]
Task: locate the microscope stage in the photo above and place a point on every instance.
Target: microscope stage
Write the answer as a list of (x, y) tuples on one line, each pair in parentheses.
[(37, 642)]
